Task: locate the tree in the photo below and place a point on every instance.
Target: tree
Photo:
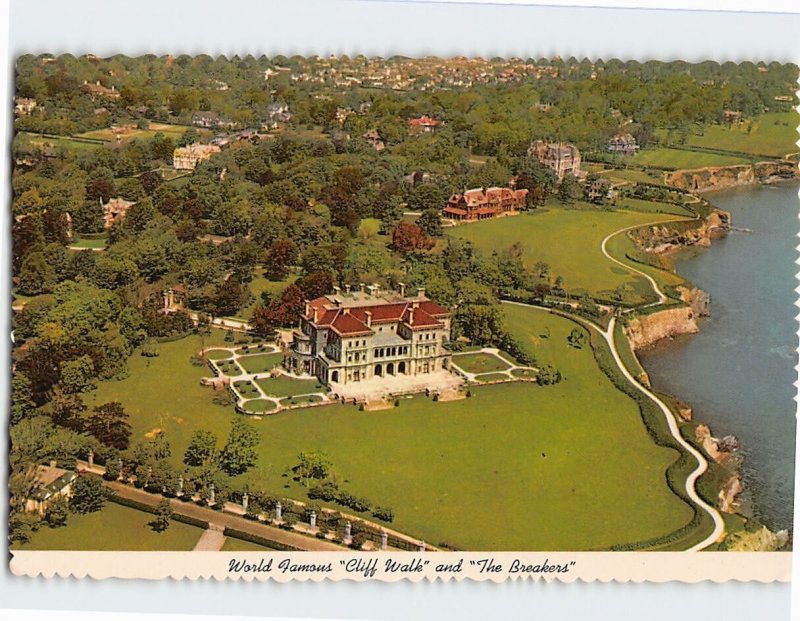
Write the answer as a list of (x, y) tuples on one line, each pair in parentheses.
[(202, 449), (408, 237), (162, 518), (570, 190), (228, 297), (57, 512), (281, 312), (281, 255), (67, 409), (316, 284), (313, 465), (428, 197), (239, 453), (36, 275), (22, 403), (109, 424), (431, 222), (77, 375), (88, 494)]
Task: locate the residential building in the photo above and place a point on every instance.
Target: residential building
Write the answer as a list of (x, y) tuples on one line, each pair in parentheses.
[(602, 192), (623, 143), (476, 204), (423, 125), (115, 210), (24, 106), (353, 336), (277, 113), (52, 483), (207, 119), (187, 158), (562, 157), (98, 90), (374, 140)]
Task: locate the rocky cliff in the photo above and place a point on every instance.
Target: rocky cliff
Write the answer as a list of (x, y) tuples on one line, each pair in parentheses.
[(645, 330), (664, 238), (722, 177)]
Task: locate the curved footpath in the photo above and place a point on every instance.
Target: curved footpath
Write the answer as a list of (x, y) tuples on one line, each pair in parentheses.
[(608, 336)]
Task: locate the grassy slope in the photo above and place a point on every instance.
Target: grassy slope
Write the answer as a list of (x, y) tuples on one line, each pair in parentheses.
[(678, 158), (569, 241), (771, 134), (514, 467), (113, 528)]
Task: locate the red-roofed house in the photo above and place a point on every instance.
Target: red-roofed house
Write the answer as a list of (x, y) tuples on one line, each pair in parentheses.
[(351, 336), (476, 204), (423, 125)]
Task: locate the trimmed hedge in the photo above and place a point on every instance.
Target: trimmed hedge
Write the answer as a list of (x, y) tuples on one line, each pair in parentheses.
[(140, 506), (267, 543)]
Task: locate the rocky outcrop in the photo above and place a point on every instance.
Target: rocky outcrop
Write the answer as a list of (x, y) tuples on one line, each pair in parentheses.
[(729, 494), (665, 238), (644, 330), (722, 177), (697, 299)]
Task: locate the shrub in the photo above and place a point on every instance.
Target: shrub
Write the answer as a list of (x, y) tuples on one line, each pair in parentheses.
[(383, 513)]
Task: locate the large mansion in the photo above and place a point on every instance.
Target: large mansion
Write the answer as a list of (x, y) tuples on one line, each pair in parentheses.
[(187, 158), (476, 204), (562, 158), (358, 335)]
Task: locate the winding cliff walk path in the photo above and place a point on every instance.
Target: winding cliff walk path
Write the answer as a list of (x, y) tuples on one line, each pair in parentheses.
[(608, 336)]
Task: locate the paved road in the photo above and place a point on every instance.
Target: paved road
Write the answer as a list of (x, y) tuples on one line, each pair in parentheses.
[(259, 529)]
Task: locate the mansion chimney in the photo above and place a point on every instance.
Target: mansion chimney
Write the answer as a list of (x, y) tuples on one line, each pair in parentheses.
[(420, 292), (369, 318), (401, 287)]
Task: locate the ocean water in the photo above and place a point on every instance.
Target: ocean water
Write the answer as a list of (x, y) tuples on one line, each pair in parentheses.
[(738, 372)]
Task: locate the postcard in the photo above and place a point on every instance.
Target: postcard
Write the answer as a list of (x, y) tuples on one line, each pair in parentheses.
[(347, 317)]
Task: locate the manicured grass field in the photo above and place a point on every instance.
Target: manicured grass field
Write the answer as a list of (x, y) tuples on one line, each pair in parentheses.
[(260, 363), (634, 176), (516, 466), (229, 367), (674, 159), (113, 528), (247, 389), (108, 135), (27, 139), (80, 243), (491, 377), (479, 363), (568, 240), (259, 405), (219, 354), (283, 386), (773, 134), (636, 204)]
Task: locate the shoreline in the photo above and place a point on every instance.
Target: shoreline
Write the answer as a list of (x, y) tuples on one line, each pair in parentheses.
[(734, 498)]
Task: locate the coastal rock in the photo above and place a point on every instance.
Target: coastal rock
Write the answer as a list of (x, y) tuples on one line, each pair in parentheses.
[(666, 238), (645, 330), (722, 177), (697, 299), (684, 411), (729, 493)]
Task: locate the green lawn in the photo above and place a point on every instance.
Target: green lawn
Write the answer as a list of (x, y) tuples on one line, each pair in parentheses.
[(491, 377), (656, 207), (568, 240), (260, 363), (259, 405), (674, 159), (283, 386), (27, 139), (113, 528), (219, 354), (80, 243), (633, 176), (514, 467), (773, 134), (289, 402), (479, 363)]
